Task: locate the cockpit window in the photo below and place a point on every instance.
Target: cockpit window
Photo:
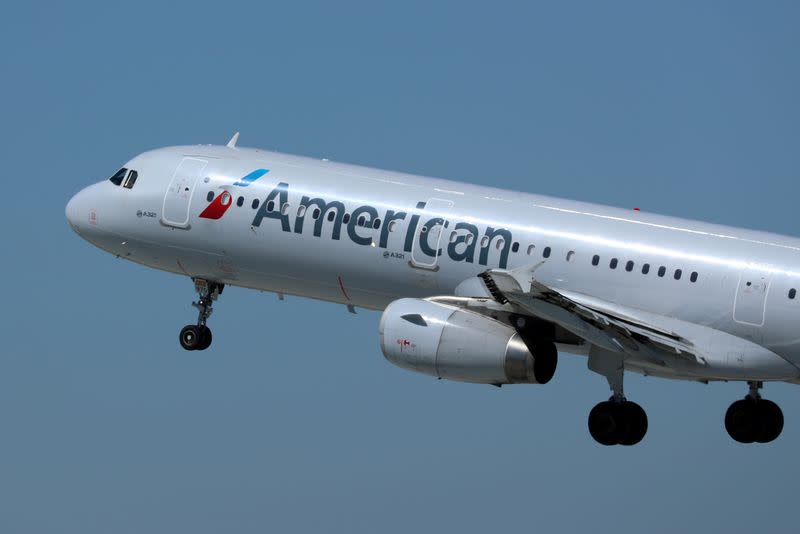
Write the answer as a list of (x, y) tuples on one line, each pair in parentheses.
[(119, 176), (132, 176)]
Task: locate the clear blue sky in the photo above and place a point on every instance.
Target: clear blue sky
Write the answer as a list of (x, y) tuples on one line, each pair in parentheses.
[(294, 422)]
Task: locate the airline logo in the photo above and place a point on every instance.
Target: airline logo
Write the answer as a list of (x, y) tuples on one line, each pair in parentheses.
[(224, 200), (252, 177)]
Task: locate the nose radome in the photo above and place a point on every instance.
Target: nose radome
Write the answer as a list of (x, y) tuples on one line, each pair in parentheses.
[(77, 210), (71, 211)]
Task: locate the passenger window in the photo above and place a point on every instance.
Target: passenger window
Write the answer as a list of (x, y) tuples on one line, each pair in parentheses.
[(376, 224), (629, 266), (531, 248), (240, 201), (331, 216), (693, 277), (570, 254), (499, 244), (301, 211), (315, 215), (132, 176), (118, 176), (484, 242), (392, 226), (470, 239), (346, 218), (210, 196), (678, 274), (546, 252), (645, 268), (662, 271), (255, 203), (792, 293), (595, 260), (285, 209), (361, 220), (270, 205), (613, 263), (515, 246)]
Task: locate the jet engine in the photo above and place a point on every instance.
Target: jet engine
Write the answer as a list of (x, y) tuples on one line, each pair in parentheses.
[(450, 342)]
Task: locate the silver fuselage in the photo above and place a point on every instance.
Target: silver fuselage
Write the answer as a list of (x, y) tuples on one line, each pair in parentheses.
[(742, 284)]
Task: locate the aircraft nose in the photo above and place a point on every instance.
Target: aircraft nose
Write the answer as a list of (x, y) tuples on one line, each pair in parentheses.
[(78, 212), (72, 211)]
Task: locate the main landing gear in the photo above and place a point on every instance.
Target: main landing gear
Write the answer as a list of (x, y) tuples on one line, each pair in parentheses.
[(753, 419), (198, 336), (616, 421)]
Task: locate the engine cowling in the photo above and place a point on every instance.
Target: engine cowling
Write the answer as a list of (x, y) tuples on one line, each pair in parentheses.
[(450, 342)]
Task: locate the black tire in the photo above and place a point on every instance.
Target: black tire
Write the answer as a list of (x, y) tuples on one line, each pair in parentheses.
[(742, 421), (604, 423), (190, 337), (635, 423), (205, 338), (771, 418)]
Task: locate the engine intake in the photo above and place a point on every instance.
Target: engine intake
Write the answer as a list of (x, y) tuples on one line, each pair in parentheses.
[(450, 342)]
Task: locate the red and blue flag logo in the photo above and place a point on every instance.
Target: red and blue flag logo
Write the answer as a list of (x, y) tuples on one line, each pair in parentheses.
[(224, 200)]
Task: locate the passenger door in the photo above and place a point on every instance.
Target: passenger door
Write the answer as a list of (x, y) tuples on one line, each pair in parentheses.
[(751, 297), (177, 200), (430, 229)]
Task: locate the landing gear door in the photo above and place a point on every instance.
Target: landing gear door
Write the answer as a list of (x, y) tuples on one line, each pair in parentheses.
[(751, 297), (430, 229), (178, 198)]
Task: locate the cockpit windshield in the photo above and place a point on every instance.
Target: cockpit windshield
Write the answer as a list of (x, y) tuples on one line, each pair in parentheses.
[(132, 175), (118, 176), (121, 175)]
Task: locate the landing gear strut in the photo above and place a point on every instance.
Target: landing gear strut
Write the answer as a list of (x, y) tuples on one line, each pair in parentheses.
[(753, 419), (616, 421), (198, 336)]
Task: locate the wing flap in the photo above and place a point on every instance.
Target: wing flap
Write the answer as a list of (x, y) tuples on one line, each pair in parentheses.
[(626, 335)]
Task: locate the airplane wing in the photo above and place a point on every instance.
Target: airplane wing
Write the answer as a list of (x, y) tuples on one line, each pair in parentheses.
[(630, 335)]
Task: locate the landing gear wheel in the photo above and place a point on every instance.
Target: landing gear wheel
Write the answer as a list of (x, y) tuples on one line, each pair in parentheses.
[(772, 421), (205, 337), (636, 423), (198, 337), (604, 423), (742, 422), (191, 337), (754, 420), (617, 423)]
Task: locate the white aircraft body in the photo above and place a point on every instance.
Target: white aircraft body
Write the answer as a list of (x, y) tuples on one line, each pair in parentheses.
[(476, 284)]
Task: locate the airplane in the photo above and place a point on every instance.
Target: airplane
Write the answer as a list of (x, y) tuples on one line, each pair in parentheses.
[(475, 284)]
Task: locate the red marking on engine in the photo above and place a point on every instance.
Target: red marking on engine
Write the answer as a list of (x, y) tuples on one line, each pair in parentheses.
[(341, 286), (218, 206), (636, 209), (403, 344)]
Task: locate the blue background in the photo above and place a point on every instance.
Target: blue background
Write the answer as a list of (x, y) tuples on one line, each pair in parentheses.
[(294, 422)]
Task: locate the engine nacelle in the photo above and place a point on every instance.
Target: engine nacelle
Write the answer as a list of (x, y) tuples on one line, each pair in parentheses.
[(450, 342)]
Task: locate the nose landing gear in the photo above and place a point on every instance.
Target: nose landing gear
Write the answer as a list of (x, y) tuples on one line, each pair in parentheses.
[(753, 419), (198, 336)]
